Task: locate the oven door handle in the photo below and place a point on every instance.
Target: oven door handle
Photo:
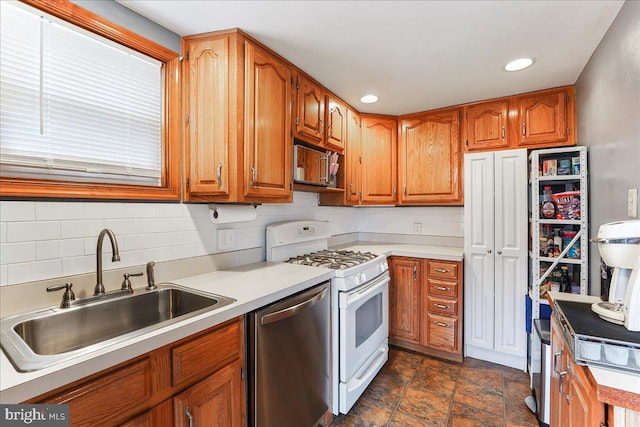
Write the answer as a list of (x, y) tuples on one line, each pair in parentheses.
[(367, 370), (294, 309), (363, 292)]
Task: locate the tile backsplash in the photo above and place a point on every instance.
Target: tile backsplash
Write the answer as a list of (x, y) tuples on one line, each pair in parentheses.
[(43, 240)]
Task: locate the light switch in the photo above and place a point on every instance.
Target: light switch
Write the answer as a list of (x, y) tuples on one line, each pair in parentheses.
[(417, 228), (632, 203)]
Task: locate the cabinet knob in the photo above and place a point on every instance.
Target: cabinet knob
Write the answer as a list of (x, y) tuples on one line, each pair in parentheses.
[(499, 252), (488, 251)]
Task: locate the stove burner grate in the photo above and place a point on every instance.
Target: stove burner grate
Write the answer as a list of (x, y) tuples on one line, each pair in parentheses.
[(337, 260)]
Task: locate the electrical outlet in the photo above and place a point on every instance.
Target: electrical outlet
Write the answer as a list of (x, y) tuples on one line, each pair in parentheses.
[(417, 228), (632, 203), (226, 239)]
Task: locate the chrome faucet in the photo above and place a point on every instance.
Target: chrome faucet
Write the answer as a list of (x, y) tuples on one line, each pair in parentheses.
[(99, 289)]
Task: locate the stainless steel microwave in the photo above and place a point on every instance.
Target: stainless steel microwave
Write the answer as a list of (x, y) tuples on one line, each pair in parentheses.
[(310, 166)]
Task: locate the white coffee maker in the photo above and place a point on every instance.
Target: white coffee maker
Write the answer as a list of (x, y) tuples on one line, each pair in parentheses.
[(619, 246)]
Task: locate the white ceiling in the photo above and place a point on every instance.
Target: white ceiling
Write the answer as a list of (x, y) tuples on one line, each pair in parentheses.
[(415, 55)]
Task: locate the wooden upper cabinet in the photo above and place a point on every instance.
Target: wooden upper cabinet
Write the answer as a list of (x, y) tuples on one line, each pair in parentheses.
[(353, 159), (486, 126), (238, 102), (429, 158), (336, 124), (546, 118), (268, 145), (379, 151), (309, 117), (207, 103)]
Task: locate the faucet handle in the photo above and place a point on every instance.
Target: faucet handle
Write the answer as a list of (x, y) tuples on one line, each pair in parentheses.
[(151, 277), (126, 283), (68, 295)]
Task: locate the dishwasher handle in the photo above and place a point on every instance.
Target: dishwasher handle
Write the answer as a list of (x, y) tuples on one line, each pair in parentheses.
[(290, 311)]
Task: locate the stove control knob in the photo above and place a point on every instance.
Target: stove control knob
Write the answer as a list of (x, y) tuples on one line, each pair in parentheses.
[(381, 267), (356, 280), (363, 277)]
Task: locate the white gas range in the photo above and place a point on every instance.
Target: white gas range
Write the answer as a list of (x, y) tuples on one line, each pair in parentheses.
[(359, 303)]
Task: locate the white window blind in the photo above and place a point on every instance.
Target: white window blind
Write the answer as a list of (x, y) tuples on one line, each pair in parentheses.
[(75, 106)]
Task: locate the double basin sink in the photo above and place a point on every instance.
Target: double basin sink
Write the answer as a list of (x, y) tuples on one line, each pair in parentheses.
[(40, 339)]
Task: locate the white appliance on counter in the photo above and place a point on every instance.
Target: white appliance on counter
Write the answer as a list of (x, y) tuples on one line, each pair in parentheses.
[(359, 304), (619, 246)]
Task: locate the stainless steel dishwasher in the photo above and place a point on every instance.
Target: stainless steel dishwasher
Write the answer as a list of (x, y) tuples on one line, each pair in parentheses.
[(289, 353)]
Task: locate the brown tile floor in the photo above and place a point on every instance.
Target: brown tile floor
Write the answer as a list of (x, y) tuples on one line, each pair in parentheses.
[(414, 390)]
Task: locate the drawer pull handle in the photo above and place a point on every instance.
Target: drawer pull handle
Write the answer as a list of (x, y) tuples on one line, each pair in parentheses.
[(441, 270), (442, 288), (444, 325), (441, 306)]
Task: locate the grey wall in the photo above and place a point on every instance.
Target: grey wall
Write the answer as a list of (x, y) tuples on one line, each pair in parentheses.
[(608, 108), (120, 15)]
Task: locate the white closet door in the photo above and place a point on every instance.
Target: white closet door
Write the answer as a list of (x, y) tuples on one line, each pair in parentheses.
[(511, 225), (478, 250)]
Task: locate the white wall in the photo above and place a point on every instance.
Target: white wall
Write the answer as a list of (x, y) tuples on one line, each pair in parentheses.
[(44, 240), (608, 106)]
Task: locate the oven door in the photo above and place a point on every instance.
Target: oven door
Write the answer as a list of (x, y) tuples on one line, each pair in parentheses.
[(364, 323)]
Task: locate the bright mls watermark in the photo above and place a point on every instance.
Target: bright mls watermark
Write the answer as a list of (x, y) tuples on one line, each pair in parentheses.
[(35, 415)]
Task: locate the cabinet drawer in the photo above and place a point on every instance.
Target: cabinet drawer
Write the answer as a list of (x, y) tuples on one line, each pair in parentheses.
[(443, 270), (442, 332), (206, 353), (446, 307), (442, 288)]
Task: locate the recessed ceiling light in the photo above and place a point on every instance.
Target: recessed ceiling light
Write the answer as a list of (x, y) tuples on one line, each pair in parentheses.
[(369, 99), (518, 64)]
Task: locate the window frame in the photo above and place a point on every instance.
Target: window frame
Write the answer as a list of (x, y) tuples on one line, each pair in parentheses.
[(169, 189)]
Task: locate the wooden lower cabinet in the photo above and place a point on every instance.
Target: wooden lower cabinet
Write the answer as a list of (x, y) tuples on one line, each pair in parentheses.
[(216, 401), (574, 402), (425, 306), (404, 299), (160, 415), (202, 373)]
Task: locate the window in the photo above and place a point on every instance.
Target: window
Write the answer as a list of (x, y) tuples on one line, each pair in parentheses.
[(83, 114)]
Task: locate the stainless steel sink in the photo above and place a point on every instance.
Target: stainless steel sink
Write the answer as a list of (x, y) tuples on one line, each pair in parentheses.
[(36, 340)]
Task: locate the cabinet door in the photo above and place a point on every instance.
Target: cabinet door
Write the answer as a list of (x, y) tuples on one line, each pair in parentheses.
[(429, 158), (215, 401), (404, 299), (207, 136), (160, 415), (559, 408), (379, 144), (479, 264), (267, 143), (309, 111), (543, 118), (485, 126), (511, 245), (353, 158), (584, 409), (336, 133)]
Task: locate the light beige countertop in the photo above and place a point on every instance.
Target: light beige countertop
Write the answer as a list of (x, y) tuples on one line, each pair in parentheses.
[(252, 286), (443, 253), (614, 387)]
